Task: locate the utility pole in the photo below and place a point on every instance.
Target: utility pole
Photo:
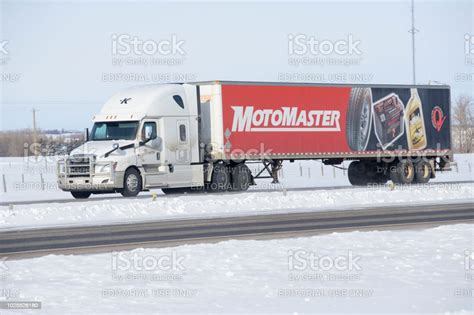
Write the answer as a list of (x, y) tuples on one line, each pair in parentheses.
[(35, 138), (413, 31)]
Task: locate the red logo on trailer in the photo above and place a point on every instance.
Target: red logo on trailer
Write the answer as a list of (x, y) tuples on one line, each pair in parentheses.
[(285, 119), (437, 118)]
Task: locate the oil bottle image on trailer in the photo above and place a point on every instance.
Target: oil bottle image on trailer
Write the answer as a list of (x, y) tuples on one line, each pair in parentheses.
[(378, 118)]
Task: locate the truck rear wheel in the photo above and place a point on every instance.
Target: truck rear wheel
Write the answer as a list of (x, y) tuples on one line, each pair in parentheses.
[(422, 172), (220, 180), (403, 172), (132, 183), (81, 194), (357, 174), (241, 177)]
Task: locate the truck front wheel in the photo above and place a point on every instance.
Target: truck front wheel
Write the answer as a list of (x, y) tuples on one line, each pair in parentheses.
[(81, 194), (132, 183)]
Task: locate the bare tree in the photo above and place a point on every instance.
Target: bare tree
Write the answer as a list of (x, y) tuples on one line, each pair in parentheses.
[(463, 128)]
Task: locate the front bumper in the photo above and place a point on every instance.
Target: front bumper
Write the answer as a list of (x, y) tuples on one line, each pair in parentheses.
[(91, 183), (73, 176)]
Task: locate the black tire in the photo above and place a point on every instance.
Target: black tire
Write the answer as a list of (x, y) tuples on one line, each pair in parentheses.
[(181, 190), (422, 172), (380, 178), (241, 177), (132, 183), (359, 118), (220, 180), (357, 174), (81, 194), (403, 172)]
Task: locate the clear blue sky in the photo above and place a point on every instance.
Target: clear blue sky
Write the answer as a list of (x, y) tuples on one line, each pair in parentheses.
[(59, 51)]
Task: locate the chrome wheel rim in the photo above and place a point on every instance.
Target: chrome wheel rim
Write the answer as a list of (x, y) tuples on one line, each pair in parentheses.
[(132, 182)]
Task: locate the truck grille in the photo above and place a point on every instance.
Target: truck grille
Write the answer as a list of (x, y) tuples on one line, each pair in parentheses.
[(78, 166)]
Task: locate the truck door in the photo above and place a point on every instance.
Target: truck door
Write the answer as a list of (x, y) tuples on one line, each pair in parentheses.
[(149, 155), (181, 172)]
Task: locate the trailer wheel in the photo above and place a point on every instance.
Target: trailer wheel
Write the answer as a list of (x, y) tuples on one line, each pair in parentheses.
[(81, 194), (403, 172), (422, 172), (220, 180), (181, 190), (241, 177), (359, 118), (357, 174), (132, 183)]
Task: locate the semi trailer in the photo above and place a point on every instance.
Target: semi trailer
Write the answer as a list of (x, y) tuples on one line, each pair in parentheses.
[(201, 136)]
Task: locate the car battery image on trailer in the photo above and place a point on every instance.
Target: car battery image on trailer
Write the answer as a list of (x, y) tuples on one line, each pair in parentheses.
[(415, 124), (388, 117)]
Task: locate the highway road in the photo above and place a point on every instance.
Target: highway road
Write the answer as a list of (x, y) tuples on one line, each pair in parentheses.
[(102, 238)]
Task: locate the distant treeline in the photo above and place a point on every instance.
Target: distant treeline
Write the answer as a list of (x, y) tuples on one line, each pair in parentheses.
[(52, 142)]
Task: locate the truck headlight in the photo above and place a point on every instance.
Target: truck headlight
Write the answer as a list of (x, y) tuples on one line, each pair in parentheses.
[(102, 168), (61, 168)]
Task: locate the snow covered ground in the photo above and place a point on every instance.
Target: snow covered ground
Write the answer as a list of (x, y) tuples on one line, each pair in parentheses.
[(411, 272), (211, 205), (26, 179)]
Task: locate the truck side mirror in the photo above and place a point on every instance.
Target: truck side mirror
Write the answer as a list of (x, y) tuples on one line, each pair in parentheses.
[(86, 134)]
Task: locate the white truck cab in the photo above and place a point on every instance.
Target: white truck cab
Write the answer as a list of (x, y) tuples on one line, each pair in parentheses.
[(143, 137)]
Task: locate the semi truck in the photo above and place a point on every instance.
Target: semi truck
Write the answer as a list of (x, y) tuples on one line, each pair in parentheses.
[(202, 135)]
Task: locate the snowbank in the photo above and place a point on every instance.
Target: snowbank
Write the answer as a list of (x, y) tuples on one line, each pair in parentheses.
[(414, 271), (210, 205)]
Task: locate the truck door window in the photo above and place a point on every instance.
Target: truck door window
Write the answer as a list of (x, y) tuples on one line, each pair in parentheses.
[(178, 101), (182, 133), (149, 130)]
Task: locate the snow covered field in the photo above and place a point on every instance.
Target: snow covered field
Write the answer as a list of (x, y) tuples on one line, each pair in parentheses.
[(411, 272), (27, 179)]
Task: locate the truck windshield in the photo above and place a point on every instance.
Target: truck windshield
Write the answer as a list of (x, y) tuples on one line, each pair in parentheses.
[(118, 130)]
